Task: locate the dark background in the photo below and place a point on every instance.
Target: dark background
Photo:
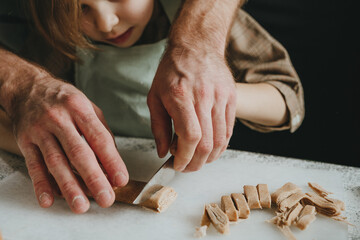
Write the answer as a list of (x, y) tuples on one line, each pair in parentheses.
[(321, 38)]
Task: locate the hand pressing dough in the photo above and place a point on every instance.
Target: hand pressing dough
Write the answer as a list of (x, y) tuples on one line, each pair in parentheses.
[(264, 195), (227, 205), (252, 196), (241, 205), (218, 218)]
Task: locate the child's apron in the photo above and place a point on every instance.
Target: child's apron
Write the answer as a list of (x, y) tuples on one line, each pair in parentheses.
[(118, 80)]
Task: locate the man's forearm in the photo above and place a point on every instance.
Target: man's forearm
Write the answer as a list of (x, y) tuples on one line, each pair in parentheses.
[(16, 74), (204, 24)]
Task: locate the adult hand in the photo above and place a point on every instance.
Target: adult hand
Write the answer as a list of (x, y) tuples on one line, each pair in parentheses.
[(50, 117), (196, 90)]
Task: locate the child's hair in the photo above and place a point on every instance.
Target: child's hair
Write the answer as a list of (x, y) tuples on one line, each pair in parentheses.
[(58, 22)]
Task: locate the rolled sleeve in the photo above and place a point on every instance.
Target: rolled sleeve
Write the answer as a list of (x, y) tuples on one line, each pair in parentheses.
[(256, 57)]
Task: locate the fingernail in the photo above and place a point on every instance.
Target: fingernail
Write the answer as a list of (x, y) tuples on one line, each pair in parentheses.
[(103, 196), (79, 203), (45, 199), (120, 179)]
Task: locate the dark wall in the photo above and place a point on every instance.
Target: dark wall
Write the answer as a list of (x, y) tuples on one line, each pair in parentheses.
[(320, 37)]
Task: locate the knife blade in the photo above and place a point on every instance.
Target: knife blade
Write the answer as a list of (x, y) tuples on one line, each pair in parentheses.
[(135, 192)]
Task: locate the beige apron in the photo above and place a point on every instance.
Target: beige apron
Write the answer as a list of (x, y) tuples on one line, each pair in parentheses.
[(118, 80)]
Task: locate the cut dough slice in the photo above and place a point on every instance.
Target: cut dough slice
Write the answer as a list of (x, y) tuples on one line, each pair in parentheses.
[(241, 205), (319, 189), (306, 217), (229, 209), (321, 204), (252, 196), (294, 213), (284, 192), (290, 201), (200, 231), (264, 195), (161, 199), (205, 220), (218, 218)]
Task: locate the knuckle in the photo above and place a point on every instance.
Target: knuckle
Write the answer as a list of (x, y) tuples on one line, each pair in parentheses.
[(54, 116), (40, 183), (192, 136), (53, 159), (76, 151), (67, 187), (177, 91), (205, 147), (99, 138), (34, 168), (219, 142), (93, 181)]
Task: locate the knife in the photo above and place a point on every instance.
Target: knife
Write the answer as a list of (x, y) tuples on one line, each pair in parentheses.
[(135, 192)]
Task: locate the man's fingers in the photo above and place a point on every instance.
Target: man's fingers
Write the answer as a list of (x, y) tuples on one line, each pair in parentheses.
[(102, 143), (58, 166), (84, 161), (160, 125), (230, 120), (188, 130), (219, 128), (205, 146), (39, 175)]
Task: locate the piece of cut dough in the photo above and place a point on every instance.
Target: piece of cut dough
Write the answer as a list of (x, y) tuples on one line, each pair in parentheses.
[(294, 213), (241, 205), (200, 231), (161, 199), (205, 220), (284, 192), (290, 201), (319, 189), (252, 196), (218, 218), (306, 217), (228, 207), (321, 204), (264, 195)]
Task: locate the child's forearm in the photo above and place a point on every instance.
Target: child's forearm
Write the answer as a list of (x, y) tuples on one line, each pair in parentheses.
[(260, 103), (7, 138)]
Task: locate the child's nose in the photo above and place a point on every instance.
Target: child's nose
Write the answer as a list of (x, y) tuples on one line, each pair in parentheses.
[(106, 19)]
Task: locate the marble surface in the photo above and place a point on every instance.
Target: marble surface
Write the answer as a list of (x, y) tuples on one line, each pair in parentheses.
[(350, 175)]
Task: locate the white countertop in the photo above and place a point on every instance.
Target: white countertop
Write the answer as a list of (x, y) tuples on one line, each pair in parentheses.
[(350, 176)]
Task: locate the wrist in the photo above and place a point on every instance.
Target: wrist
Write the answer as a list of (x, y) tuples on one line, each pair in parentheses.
[(203, 25), (16, 79)]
